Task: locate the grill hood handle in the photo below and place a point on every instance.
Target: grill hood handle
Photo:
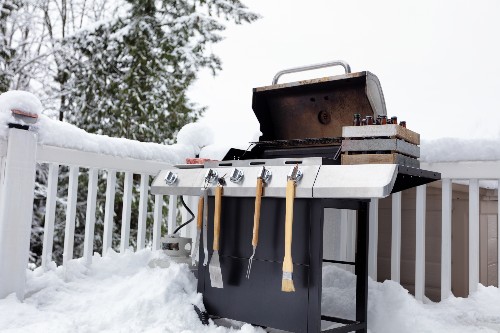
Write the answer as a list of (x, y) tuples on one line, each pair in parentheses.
[(311, 67)]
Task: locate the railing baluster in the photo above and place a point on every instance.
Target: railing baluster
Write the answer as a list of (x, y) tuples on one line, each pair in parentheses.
[(446, 238), (88, 245), (69, 234), (143, 212), (473, 235), (396, 238), (172, 214), (126, 212), (373, 241), (420, 243), (157, 221), (109, 212), (344, 234), (50, 211)]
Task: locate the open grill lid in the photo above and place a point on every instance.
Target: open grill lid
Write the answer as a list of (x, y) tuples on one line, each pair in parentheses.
[(316, 108)]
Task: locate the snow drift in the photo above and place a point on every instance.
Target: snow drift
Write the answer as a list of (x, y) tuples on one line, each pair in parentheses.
[(121, 293)]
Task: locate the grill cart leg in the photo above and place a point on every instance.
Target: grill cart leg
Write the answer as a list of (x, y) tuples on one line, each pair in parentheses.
[(361, 266)]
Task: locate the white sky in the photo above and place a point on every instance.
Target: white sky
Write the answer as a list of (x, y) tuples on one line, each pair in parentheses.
[(438, 61)]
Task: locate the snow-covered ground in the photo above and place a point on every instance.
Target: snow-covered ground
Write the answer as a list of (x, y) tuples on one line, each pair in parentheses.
[(122, 293)]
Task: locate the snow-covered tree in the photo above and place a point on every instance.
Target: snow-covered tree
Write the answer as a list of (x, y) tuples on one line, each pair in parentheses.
[(130, 76)]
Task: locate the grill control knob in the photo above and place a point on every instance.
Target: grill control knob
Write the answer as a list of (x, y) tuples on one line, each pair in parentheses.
[(236, 176), (170, 178), (266, 175), (295, 174), (211, 176)]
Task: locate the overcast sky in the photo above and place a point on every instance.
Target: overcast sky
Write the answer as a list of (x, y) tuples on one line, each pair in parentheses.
[(438, 61)]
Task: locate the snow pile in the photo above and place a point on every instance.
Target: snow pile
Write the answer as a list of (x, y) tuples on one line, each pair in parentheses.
[(459, 149), (118, 293), (55, 133), (391, 309), (196, 135), (20, 100), (121, 293)]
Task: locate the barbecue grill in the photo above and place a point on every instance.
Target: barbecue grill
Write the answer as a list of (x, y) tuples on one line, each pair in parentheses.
[(301, 125)]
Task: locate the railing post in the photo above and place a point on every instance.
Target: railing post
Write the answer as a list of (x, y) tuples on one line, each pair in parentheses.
[(396, 238), (446, 238), (373, 242), (16, 210), (473, 235), (420, 243)]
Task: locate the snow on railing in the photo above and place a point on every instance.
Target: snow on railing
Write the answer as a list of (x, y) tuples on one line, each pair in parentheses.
[(27, 138)]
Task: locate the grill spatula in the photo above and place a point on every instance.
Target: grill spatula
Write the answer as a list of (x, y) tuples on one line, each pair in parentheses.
[(214, 266)]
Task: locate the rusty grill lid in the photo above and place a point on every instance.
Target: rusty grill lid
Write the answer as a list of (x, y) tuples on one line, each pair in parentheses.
[(316, 108)]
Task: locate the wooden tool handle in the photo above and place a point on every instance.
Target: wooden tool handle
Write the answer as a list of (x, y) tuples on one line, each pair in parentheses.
[(218, 204), (256, 215), (199, 221), (290, 195)]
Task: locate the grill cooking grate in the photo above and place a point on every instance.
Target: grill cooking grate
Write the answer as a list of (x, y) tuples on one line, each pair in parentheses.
[(298, 142)]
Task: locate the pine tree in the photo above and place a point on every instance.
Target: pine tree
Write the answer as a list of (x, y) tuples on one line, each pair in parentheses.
[(130, 76)]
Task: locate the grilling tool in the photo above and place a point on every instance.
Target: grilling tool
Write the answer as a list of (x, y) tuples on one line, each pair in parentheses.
[(214, 266), (199, 223), (256, 217), (292, 179)]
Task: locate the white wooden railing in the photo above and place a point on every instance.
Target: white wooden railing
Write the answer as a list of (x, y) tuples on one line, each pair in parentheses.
[(19, 154), (470, 172), (17, 164)]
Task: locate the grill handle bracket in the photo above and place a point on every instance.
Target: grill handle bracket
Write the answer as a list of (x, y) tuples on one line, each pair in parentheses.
[(312, 67)]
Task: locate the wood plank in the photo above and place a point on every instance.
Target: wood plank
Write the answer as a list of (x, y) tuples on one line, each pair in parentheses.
[(65, 156), (393, 158), (381, 131), (88, 245), (473, 235), (374, 145), (126, 211), (172, 214), (446, 238), (109, 212), (50, 215), (69, 234), (420, 243), (396, 238), (143, 212), (157, 221), (373, 241)]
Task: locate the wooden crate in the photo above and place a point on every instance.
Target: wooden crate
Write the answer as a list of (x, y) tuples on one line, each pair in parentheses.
[(387, 131), (353, 147), (393, 158)]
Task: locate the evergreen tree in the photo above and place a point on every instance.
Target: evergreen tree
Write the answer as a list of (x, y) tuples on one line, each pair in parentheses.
[(130, 76)]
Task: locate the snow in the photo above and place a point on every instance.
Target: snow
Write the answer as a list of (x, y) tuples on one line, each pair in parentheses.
[(61, 134), (122, 293), (118, 293), (460, 149), (20, 100), (391, 309), (196, 135)]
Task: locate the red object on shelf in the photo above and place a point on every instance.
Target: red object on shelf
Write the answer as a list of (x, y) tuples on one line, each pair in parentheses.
[(197, 160)]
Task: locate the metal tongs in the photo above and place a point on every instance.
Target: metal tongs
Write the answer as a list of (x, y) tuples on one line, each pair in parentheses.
[(263, 178)]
